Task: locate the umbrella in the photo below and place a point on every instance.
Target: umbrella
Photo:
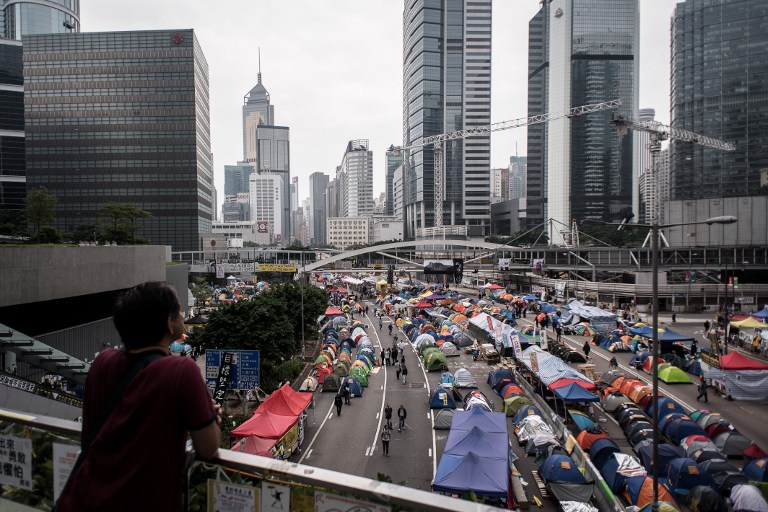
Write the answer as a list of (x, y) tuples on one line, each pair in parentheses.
[(581, 420)]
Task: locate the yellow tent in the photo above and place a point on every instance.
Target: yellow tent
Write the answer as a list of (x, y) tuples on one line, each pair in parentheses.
[(750, 322)]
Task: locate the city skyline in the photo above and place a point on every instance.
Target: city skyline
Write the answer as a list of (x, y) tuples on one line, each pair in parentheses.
[(305, 64)]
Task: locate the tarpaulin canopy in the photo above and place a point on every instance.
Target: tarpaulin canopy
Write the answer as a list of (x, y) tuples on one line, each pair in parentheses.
[(332, 310), (265, 424), (750, 323), (736, 361), (254, 445), (488, 421), (484, 444), (470, 472), (575, 393)]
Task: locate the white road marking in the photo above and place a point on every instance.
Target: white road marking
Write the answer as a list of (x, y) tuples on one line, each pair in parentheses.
[(309, 454)]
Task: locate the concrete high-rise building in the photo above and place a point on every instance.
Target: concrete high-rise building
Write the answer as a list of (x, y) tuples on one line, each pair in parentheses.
[(28, 17), (294, 193), (257, 110), (318, 182), (19, 18), (719, 88), (647, 181), (132, 125), (273, 156), (581, 52), (355, 177), (518, 168), (499, 185), (394, 160), (236, 178), (332, 198), (267, 197), (447, 87)]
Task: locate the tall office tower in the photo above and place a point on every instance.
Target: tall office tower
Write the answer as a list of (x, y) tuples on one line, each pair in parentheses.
[(332, 198), (719, 88), (294, 193), (580, 52), (19, 18), (257, 110), (499, 185), (273, 156), (394, 160), (267, 205), (447, 87), (647, 180), (122, 117), (318, 182), (27, 17), (13, 181), (236, 179), (518, 167), (355, 177)]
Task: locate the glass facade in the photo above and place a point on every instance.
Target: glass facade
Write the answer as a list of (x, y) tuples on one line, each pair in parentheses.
[(719, 88), (394, 160), (13, 187), (20, 18), (447, 87), (132, 125), (318, 182), (581, 52), (236, 179)]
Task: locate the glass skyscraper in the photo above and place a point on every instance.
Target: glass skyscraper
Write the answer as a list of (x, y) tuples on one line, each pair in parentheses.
[(447, 87), (132, 125), (394, 160), (581, 52), (22, 17), (318, 182), (719, 88)]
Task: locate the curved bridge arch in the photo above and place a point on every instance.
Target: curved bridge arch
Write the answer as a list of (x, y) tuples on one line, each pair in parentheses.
[(402, 245)]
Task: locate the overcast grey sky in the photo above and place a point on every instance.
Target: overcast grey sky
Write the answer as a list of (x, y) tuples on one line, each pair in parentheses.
[(333, 69)]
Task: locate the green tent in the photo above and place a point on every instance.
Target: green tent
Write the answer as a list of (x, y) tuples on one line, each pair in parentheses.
[(514, 403), (331, 382), (341, 368), (435, 360), (426, 345), (673, 375), (429, 350), (360, 374)]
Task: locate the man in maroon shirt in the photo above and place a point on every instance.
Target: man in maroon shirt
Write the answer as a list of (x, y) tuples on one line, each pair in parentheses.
[(136, 461)]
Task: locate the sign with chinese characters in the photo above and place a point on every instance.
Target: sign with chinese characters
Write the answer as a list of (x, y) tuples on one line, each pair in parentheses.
[(64, 457), (244, 369), (275, 497), (534, 362), (16, 462), (277, 267), (229, 497), (325, 502), (222, 379)]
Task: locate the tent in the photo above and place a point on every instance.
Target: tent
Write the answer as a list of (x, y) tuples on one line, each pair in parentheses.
[(731, 444), (333, 311), (703, 498), (673, 375), (667, 406), (617, 468), (524, 412), (447, 379), (747, 498), (309, 384), (485, 444), (331, 382), (488, 421), (514, 403), (745, 378), (449, 349), (684, 475), (705, 420), (355, 388), (469, 472), (639, 491), (511, 389), (757, 470), (692, 444), (575, 393), (254, 445), (582, 420), (586, 438), (435, 360), (750, 323), (443, 419), (611, 375), (532, 426), (681, 428), (559, 383), (564, 479), (615, 400), (265, 424), (602, 450), (667, 453), (442, 399), (476, 399), (464, 379), (497, 375)]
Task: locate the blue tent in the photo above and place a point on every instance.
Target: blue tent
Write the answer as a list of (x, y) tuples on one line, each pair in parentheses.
[(667, 453), (695, 368), (497, 375), (470, 472), (530, 297), (447, 378), (667, 406), (442, 399), (602, 450), (484, 444), (355, 388), (560, 468), (547, 308), (669, 336), (611, 475), (763, 313), (581, 420), (639, 358), (524, 412), (681, 428), (669, 417), (575, 393), (645, 331), (684, 475), (757, 470), (488, 421)]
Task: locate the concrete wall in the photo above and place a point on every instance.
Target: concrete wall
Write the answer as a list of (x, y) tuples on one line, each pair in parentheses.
[(34, 274)]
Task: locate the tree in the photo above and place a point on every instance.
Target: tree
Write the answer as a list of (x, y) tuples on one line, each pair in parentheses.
[(120, 224), (201, 291), (88, 232), (40, 208)]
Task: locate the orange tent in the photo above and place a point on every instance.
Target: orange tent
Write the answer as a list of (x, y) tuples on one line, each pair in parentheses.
[(628, 384), (586, 438), (638, 392)]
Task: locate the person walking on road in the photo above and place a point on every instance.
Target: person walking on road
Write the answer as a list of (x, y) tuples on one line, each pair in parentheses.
[(404, 371), (559, 333), (390, 329), (385, 437), (401, 414), (703, 386), (381, 324), (586, 348), (387, 356), (338, 403), (346, 394), (388, 415), (394, 355), (397, 369)]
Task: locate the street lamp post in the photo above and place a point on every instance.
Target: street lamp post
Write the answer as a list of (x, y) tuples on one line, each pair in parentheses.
[(655, 231)]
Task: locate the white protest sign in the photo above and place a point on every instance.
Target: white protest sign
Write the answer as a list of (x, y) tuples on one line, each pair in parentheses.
[(228, 497), (64, 457), (16, 461)]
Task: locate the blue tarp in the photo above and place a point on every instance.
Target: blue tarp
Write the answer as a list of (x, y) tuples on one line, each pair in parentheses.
[(485, 444), (575, 393), (470, 472), (478, 417)]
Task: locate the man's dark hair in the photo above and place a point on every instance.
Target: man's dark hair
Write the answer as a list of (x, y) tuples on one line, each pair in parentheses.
[(141, 313)]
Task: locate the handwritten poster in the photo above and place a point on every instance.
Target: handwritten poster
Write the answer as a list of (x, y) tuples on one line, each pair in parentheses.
[(64, 457), (16, 461), (228, 497)]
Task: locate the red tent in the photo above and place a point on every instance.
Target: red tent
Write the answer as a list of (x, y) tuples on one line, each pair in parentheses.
[(423, 305), (736, 361), (332, 310), (494, 287), (254, 445), (589, 386), (286, 401), (265, 424)]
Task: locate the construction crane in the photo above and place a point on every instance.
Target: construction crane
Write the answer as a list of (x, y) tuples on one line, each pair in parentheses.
[(436, 141), (659, 132)]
